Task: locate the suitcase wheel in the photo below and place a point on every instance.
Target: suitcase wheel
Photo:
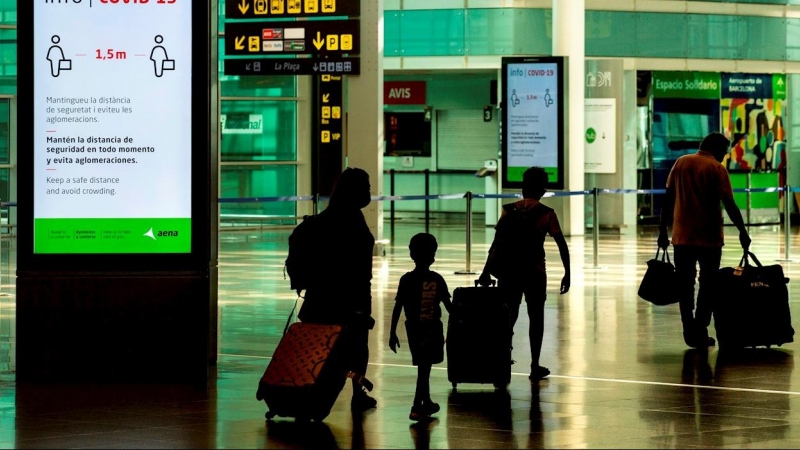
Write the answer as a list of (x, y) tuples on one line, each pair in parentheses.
[(269, 415)]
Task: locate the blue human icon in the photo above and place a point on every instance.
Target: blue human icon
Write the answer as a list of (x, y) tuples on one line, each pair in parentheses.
[(161, 61), (548, 99), (55, 54), (514, 98)]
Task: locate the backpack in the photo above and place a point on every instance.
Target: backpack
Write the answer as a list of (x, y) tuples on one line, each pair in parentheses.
[(300, 263), (517, 241)]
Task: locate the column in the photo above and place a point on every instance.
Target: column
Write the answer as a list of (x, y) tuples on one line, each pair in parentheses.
[(364, 136), (13, 174), (568, 40)]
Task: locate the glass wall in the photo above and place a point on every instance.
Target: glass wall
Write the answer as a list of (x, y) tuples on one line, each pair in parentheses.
[(8, 61), (258, 144), (5, 146)]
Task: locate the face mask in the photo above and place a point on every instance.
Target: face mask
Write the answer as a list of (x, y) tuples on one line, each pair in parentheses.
[(364, 200)]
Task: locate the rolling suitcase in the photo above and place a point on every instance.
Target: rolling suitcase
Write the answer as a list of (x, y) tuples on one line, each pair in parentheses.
[(478, 339), (307, 372), (751, 306)]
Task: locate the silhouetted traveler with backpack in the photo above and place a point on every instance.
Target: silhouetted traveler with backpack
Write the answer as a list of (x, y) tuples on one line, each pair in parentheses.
[(339, 286), (517, 259)]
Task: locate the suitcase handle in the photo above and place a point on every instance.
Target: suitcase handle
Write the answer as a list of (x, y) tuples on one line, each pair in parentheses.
[(744, 261), (491, 283), (289, 319)]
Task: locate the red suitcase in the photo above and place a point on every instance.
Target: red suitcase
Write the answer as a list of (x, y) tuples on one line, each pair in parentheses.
[(307, 372)]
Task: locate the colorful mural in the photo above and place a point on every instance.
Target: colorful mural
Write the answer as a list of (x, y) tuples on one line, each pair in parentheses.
[(751, 109)]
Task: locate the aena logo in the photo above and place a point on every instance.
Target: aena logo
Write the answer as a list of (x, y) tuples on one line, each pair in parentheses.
[(168, 233), (400, 93)]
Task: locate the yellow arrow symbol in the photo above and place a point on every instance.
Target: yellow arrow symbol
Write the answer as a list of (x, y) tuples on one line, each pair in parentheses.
[(319, 42), (244, 6), (326, 98), (239, 43)]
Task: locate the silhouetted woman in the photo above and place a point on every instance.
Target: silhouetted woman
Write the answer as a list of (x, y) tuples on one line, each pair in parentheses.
[(342, 292)]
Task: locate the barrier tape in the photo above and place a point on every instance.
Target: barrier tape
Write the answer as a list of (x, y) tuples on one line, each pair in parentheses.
[(297, 198), (632, 191), (664, 191), (293, 198), (751, 190), (418, 197)]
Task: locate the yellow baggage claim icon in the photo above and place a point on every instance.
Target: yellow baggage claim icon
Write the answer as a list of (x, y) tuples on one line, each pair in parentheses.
[(254, 44), (312, 6)]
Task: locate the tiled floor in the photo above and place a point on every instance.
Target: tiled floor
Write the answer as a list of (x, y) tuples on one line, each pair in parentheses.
[(622, 376)]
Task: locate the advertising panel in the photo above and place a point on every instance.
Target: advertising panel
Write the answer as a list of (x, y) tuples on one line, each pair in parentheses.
[(112, 127), (752, 109), (533, 122), (600, 138)]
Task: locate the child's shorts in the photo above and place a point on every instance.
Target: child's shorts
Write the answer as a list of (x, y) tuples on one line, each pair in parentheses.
[(426, 342)]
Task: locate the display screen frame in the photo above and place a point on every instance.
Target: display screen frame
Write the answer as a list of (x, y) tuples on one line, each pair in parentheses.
[(412, 122), (515, 182), (199, 256)]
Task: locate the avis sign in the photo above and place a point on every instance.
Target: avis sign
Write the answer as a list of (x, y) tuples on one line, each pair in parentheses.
[(404, 93)]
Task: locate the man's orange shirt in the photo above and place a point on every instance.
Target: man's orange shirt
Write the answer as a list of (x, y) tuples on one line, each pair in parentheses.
[(700, 184)]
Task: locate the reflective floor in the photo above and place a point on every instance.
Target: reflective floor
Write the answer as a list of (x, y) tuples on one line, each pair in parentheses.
[(621, 374)]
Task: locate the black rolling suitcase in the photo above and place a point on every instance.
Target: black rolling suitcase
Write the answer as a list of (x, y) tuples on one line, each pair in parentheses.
[(478, 337), (751, 305)]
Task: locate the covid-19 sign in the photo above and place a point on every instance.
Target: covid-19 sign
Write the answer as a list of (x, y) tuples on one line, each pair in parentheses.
[(533, 122), (112, 131)]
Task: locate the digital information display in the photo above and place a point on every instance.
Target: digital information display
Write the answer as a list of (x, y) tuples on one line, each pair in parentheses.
[(112, 126), (533, 107)]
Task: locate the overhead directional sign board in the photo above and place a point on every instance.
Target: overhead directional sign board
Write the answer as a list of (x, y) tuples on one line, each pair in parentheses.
[(293, 66), (277, 38), (278, 9)]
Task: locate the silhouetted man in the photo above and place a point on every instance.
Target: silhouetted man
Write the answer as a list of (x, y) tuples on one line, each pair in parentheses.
[(696, 185)]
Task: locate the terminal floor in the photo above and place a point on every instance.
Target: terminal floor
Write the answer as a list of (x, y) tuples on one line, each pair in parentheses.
[(621, 375)]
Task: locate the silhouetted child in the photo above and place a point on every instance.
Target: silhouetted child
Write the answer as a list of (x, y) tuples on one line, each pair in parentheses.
[(517, 259), (419, 294)]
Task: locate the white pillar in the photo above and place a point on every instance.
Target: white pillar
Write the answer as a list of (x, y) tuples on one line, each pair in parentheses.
[(305, 109), (365, 141), (569, 21)]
